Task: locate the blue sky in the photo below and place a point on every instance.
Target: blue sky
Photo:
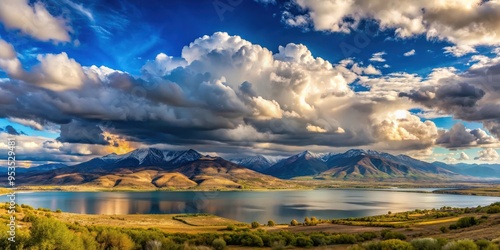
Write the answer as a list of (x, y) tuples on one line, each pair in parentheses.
[(386, 65)]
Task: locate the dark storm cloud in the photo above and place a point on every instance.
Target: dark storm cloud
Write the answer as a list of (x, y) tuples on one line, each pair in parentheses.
[(493, 126), (471, 96), (454, 97), (463, 96), (82, 132), (11, 130), (31, 103)]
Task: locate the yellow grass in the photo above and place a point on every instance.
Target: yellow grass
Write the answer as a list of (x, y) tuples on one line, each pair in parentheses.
[(439, 221), (164, 222)]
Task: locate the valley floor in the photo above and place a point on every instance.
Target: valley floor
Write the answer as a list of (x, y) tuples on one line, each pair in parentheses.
[(446, 224)]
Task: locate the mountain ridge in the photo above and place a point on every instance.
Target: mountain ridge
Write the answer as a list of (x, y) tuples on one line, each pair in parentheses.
[(154, 167)]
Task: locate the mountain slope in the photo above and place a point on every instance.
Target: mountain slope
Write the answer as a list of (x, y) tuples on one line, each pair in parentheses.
[(257, 163), (303, 164), (215, 171), (41, 168)]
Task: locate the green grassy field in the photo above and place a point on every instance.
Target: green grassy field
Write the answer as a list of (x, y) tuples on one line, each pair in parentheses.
[(407, 230)]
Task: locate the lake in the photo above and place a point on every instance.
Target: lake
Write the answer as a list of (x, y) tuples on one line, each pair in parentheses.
[(248, 206)]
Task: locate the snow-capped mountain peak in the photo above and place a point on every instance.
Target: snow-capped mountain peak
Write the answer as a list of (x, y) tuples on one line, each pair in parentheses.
[(252, 160), (306, 153), (187, 156), (154, 156), (112, 156), (355, 152), (320, 156), (142, 154), (257, 162)]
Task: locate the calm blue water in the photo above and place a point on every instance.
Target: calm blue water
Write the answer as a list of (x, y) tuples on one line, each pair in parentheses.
[(281, 206)]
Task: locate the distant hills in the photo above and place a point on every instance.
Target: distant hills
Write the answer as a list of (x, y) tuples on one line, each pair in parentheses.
[(156, 168), (476, 170)]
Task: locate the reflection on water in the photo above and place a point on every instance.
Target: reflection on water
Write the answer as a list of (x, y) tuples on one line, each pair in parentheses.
[(281, 206)]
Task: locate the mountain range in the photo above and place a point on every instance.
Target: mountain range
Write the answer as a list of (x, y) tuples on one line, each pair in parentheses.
[(357, 163), (152, 168), (156, 168), (353, 164)]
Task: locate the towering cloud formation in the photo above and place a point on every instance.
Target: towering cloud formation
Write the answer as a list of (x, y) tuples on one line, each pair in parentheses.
[(222, 89)]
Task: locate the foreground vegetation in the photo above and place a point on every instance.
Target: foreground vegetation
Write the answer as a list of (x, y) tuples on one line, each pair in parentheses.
[(445, 228)]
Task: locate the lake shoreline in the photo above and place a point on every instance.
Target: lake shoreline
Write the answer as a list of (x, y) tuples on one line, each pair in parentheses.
[(439, 189)]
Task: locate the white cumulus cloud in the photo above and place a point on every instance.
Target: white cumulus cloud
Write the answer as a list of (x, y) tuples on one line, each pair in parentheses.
[(409, 53), (35, 20), (378, 57), (459, 50), (488, 154), (461, 22)]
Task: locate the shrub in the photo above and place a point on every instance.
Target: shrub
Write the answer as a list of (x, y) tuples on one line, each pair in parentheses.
[(48, 233), (304, 241), (461, 245), (252, 240), (453, 227), (271, 223), (388, 234), (393, 244), (311, 222), (319, 239), (219, 244), (26, 206), (153, 245), (307, 221), (113, 239), (345, 239), (485, 245), (255, 224), (493, 209), (58, 211), (314, 221), (278, 245), (368, 236), (29, 218), (231, 227), (294, 222), (443, 229), (466, 222), (426, 244)]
